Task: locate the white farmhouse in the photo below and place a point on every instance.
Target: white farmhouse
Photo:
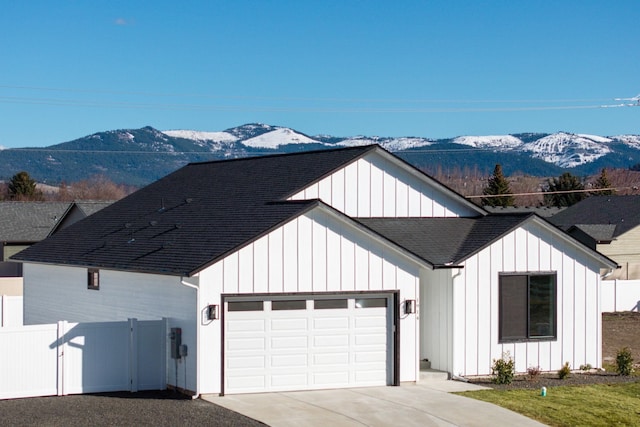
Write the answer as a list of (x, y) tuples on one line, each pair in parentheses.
[(324, 269)]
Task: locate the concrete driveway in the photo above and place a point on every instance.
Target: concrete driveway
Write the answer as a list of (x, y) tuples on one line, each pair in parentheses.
[(428, 403)]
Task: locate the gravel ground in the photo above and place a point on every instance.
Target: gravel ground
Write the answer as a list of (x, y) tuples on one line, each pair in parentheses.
[(161, 408)]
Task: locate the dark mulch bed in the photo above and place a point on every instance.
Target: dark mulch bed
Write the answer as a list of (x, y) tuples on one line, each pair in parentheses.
[(153, 408), (551, 380)]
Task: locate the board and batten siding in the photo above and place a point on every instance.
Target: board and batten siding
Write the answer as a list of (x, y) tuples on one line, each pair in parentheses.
[(475, 317), (313, 253), (374, 186), (53, 293)]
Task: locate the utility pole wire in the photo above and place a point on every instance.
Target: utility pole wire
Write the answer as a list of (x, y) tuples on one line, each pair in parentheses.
[(595, 190)]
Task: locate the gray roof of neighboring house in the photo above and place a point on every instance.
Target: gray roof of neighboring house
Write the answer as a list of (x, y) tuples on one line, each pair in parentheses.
[(28, 222), (621, 211), (601, 233), (543, 211), (445, 242)]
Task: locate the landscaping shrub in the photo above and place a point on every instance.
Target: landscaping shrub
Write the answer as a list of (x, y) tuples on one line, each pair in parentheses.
[(565, 371), (586, 367), (533, 372), (504, 369), (624, 362)]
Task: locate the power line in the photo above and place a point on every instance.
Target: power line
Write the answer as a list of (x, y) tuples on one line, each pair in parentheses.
[(594, 190)]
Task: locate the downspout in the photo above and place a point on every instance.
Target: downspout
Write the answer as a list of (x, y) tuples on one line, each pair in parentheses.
[(197, 288)]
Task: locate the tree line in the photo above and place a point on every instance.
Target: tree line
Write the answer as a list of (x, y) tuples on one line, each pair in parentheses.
[(21, 187), (562, 191)]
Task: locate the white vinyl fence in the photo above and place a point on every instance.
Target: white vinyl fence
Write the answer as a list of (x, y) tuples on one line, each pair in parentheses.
[(72, 358), (10, 310), (620, 295)]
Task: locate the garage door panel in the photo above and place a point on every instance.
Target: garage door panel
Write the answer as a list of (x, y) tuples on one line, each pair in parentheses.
[(333, 378), (289, 342), (290, 360), (314, 348), (290, 324), (238, 344), (330, 359), (332, 322), (247, 362), (330, 341), (245, 325), (285, 381)]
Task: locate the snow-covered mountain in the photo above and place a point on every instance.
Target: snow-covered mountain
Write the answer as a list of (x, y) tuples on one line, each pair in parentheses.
[(561, 149), (139, 156)]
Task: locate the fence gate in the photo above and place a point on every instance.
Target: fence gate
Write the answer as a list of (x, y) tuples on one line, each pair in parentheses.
[(72, 358)]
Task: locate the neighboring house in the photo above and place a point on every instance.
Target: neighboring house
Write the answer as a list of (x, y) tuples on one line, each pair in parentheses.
[(609, 224), (24, 223), (325, 269)]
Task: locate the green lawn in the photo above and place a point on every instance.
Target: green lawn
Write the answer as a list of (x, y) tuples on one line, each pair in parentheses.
[(595, 405)]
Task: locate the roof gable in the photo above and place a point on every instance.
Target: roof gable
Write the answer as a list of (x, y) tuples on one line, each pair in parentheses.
[(392, 180), (447, 242)]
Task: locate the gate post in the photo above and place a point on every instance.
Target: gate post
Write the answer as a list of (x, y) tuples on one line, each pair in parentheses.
[(133, 354), (60, 345)]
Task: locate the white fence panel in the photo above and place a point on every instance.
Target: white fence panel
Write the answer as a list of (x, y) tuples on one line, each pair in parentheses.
[(96, 357), (71, 358), (10, 310), (151, 356), (620, 295), (28, 361)]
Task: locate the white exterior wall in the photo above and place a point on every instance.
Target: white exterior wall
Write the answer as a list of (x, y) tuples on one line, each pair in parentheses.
[(312, 253), (475, 305), (53, 293), (374, 186), (436, 311)]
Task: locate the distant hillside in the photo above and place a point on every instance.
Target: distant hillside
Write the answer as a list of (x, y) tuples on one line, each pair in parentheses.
[(140, 156)]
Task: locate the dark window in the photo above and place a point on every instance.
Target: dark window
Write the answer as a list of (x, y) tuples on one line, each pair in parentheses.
[(93, 279), (289, 305), (321, 304), (370, 302), (527, 306), (246, 306)]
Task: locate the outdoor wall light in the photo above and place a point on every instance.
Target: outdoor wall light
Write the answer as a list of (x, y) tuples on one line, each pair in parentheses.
[(409, 306), (213, 312)]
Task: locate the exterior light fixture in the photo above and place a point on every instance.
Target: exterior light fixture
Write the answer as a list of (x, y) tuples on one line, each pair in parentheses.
[(409, 306), (213, 312)]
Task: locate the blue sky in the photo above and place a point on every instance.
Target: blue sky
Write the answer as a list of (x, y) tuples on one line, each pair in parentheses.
[(409, 68)]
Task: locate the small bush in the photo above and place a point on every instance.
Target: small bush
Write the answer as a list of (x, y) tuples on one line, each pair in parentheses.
[(533, 372), (624, 362), (503, 370), (586, 367), (565, 371)]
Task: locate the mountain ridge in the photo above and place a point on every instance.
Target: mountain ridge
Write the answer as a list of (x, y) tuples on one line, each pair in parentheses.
[(140, 156)]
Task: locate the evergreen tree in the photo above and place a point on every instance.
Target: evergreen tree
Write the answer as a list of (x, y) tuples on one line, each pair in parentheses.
[(23, 187), (568, 188), (497, 185), (603, 183)]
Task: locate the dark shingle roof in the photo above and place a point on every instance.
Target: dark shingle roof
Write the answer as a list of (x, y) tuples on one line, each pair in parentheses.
[(27, 222), (445, 241), (194, 216), (622, 211)]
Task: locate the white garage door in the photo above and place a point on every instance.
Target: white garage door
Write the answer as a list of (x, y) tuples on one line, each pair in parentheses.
[(304, 343)]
